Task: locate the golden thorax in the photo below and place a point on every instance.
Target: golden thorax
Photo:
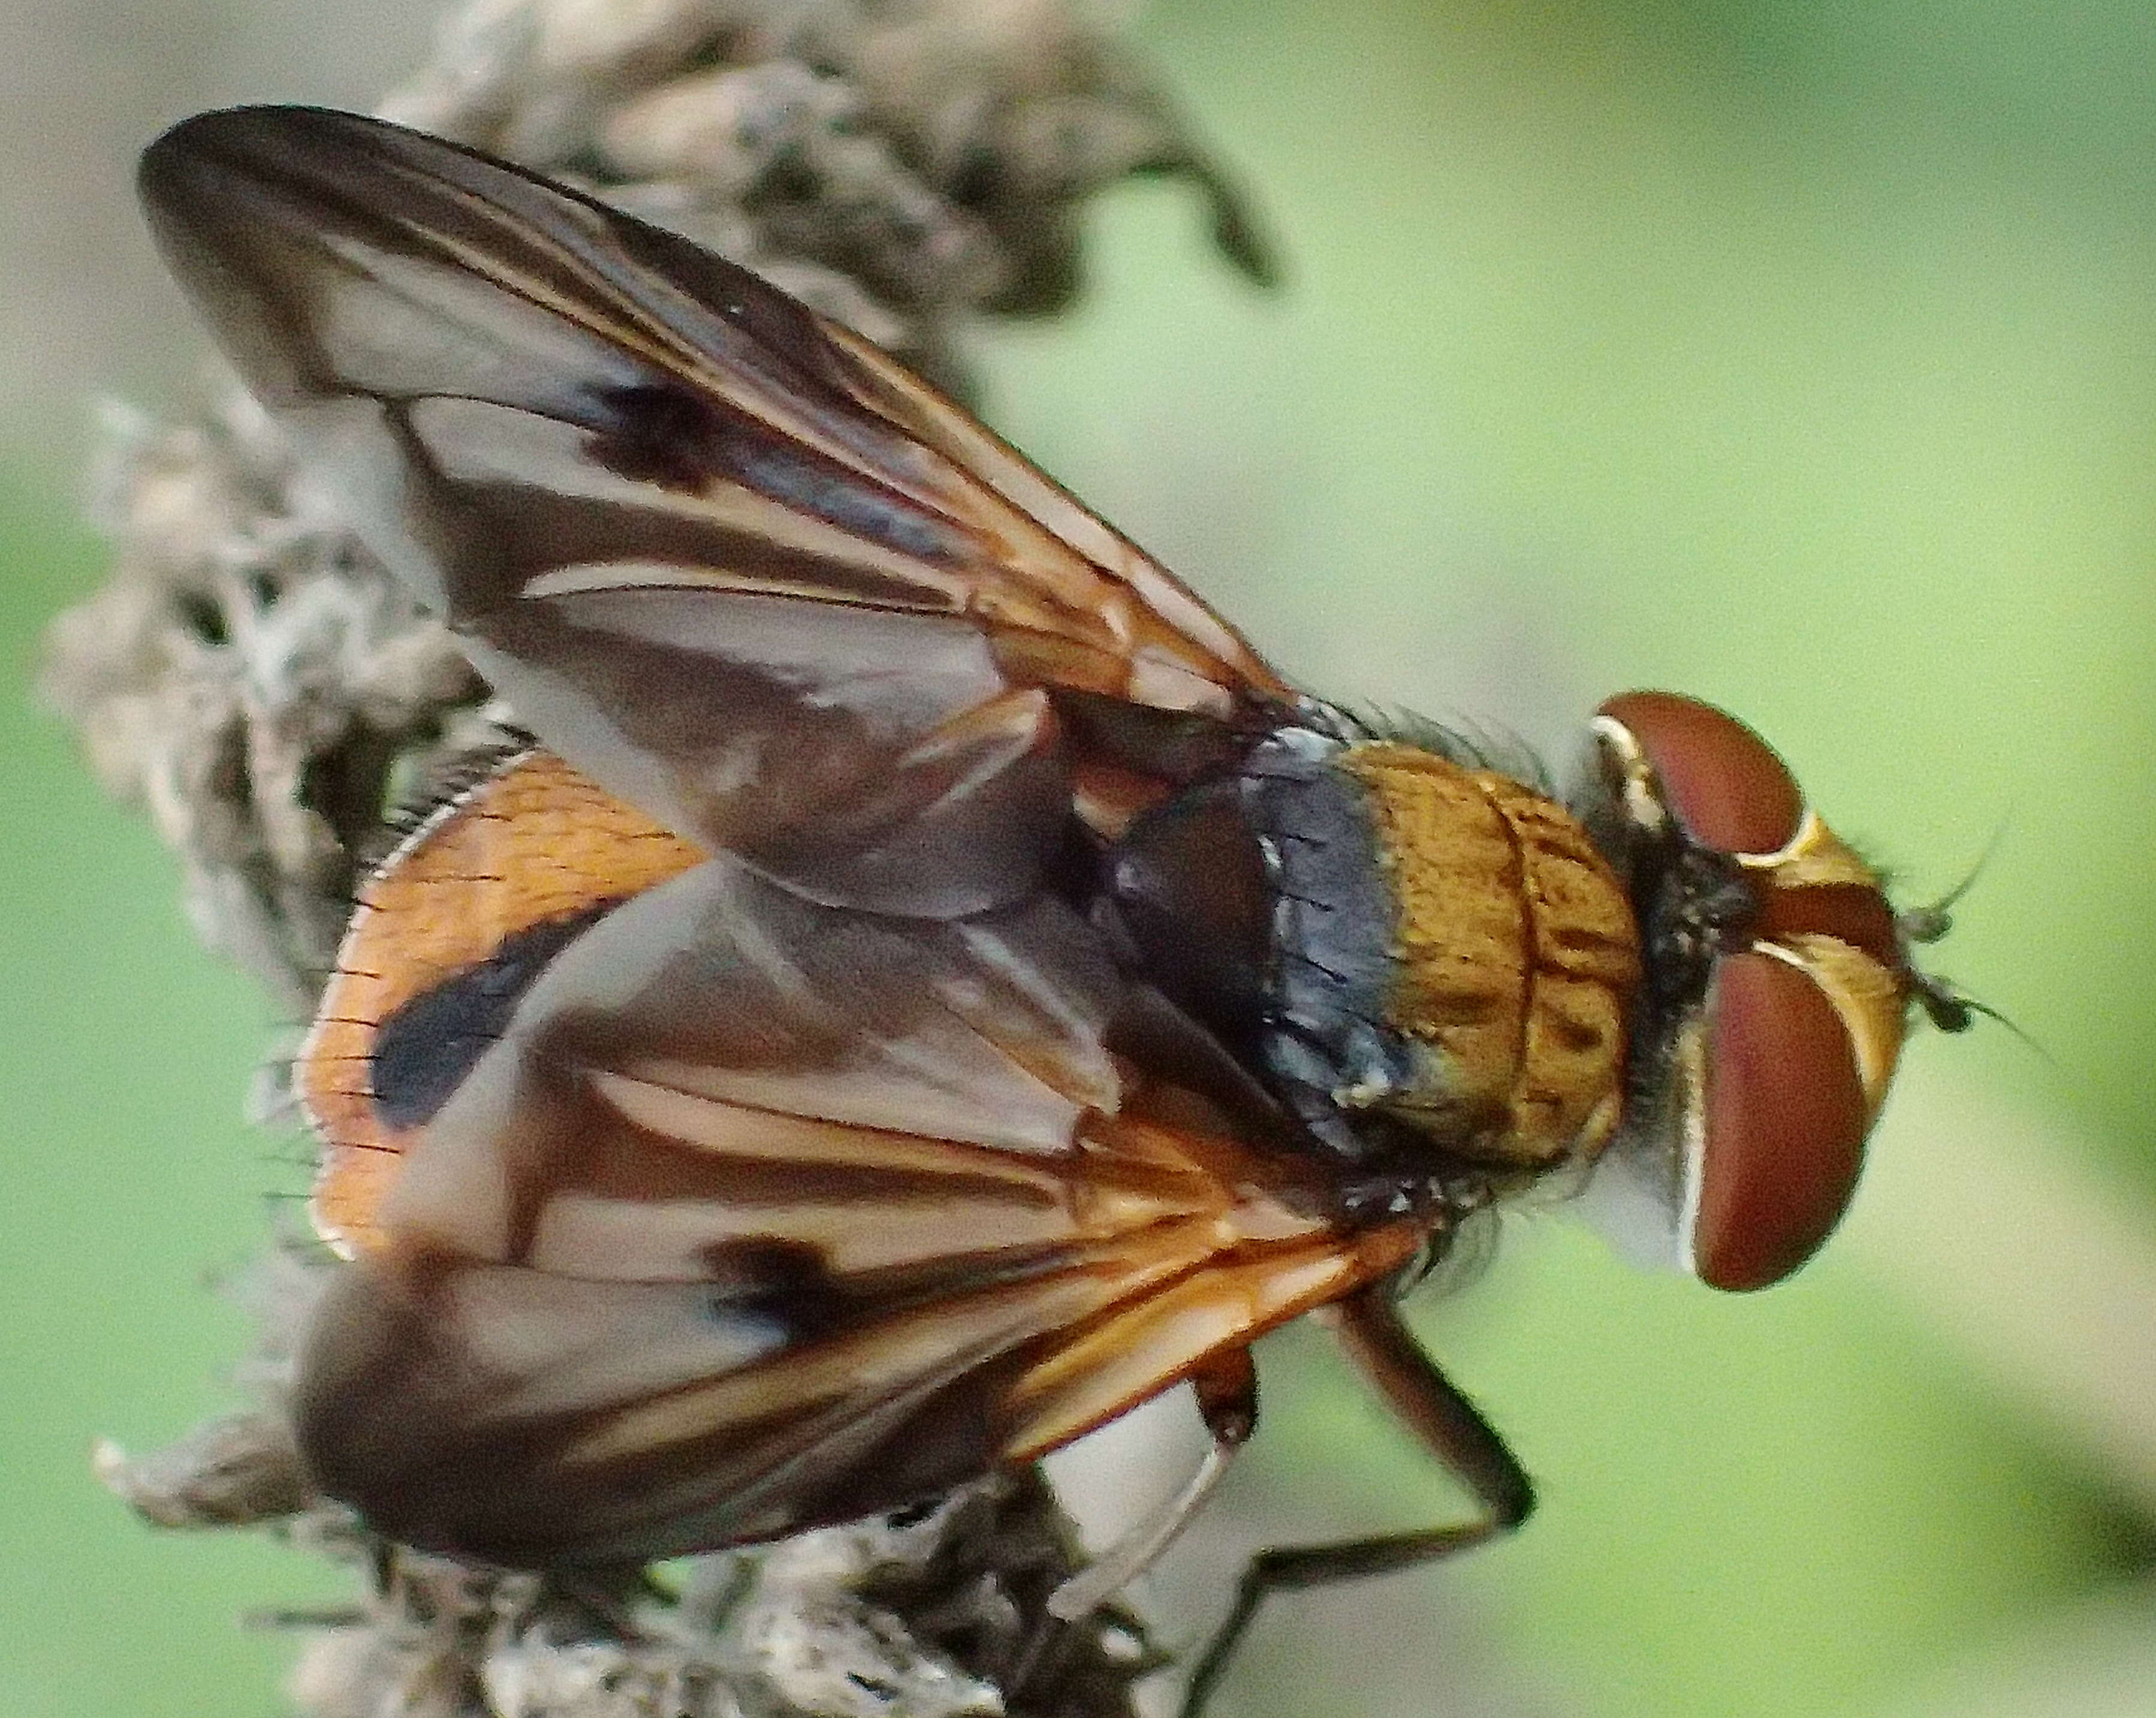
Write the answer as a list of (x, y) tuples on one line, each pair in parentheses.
[(1515, 958)]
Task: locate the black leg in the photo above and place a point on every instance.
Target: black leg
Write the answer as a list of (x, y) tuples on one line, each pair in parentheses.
[(1368, 1327)]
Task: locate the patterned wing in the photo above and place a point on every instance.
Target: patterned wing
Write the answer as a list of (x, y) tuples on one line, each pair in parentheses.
[(737, 1213), (722, 555)]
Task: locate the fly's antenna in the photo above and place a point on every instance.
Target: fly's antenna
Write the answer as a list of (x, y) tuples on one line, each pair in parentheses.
[(1954, 1010), (1920, 926), (1949, 1008)]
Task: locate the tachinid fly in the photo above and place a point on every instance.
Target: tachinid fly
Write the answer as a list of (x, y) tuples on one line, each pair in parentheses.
[(933, 987)]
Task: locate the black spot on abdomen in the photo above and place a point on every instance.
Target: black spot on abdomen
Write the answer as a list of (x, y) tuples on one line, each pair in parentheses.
[(426, 1046)]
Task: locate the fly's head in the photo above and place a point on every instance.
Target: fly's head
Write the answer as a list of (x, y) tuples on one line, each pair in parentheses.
[(1777, 985)]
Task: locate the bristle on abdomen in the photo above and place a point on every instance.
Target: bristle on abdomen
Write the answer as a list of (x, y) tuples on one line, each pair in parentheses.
[(447, 935)]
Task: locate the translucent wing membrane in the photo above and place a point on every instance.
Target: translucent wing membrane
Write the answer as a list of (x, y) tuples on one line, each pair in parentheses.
[(756, 1213), (721, 554)]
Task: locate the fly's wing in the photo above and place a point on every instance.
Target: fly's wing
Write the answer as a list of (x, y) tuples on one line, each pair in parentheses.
[(722, 555), (743, 1214)]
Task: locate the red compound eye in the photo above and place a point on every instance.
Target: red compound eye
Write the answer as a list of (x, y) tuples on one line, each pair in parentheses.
[(1785, 1124), (1858, 913), (1783, 1109), (1721, 781)]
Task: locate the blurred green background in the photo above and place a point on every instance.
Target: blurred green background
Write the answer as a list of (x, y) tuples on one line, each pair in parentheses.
[(1802, 356)]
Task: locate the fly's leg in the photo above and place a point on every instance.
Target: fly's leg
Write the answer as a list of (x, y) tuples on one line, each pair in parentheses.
[(1368, 1327), (1226, 1387)]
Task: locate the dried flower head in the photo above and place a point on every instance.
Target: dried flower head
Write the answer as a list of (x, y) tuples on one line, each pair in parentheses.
[(254, 679)]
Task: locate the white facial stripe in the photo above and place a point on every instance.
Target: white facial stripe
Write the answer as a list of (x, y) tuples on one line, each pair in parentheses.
[(1813, 856), (1688, 1070), (1636, 777), (1869, 1000)]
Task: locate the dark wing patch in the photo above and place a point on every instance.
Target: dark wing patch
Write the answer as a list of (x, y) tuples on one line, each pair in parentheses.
[(725, 557)]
